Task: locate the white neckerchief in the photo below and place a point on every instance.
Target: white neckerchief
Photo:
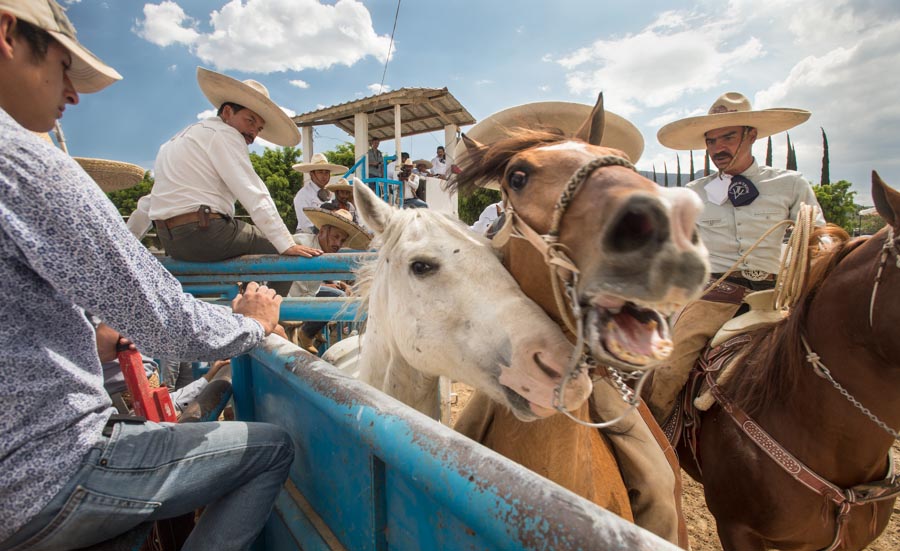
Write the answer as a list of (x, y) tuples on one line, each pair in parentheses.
[(717, 189)]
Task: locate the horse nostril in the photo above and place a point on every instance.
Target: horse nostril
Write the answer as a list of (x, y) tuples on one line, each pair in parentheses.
[(634, 230)]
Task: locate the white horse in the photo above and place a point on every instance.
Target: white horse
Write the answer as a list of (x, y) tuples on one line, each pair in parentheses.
[(440, 303)]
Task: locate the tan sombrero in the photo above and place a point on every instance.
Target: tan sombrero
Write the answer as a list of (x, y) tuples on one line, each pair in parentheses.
[(87, 73), (219, 89), (111, 175), (320, 162), (427, 164), (357, 237), (341, 185), (730, 109), (568, 117)]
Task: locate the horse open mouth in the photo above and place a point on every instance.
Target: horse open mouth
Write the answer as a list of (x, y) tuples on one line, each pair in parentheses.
[(627, 335)]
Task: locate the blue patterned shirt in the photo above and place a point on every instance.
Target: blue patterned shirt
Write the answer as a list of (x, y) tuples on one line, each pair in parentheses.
[(63, 250)]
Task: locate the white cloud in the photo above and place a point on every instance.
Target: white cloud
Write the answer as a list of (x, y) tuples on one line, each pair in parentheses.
[(173, 68), (302, 84), (206, 114), (544, 88), (165, 24), (483, 82), (377, 88), (676, 55), (263, 36)]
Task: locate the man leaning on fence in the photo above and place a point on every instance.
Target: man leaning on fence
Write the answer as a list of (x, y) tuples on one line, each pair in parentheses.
[(203, 169), (73, 476)]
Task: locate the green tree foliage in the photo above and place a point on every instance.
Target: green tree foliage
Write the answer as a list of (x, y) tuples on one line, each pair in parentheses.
[(769, 152), (126, 199), (678, 170), (826, 174), (471, 205), (837, 204), (868, 224), (274, 167), (344, 155), (791, 155)]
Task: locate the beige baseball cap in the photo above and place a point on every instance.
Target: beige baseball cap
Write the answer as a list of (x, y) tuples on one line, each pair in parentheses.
[(87, 73)]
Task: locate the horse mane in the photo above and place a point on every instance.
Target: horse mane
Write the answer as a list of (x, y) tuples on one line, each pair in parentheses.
[(489, 161), (772, 368), (365, 272)]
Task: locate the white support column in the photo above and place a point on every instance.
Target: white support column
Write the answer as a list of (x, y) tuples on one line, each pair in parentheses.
[(450, 131), (397, 137), (307, 143), (361, 135)]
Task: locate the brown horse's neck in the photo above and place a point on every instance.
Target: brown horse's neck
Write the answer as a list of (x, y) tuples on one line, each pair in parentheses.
[(530, 271)]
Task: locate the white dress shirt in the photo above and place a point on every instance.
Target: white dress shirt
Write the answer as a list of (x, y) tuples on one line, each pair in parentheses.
[(139, 222), (410, 186), (440, 167), (307, 197), (207, 163)]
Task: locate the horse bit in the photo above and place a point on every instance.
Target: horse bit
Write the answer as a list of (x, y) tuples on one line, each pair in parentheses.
[(563, 268)]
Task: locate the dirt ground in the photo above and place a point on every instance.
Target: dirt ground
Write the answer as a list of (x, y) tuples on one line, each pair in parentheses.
[(701, 525)]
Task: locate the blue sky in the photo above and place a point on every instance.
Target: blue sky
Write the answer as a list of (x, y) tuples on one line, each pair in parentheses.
[(654, 61)]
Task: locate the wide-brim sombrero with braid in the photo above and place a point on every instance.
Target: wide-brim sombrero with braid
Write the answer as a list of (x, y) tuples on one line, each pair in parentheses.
[(218, 89), (111, 175), (567, 117), (729, 109), (341, 185), (357, 236)]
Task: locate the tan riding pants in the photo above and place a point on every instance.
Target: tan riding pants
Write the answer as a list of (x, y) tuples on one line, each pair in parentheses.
[(696, 325)]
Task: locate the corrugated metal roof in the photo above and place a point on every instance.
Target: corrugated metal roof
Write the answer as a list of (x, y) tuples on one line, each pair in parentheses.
[(421, 110)]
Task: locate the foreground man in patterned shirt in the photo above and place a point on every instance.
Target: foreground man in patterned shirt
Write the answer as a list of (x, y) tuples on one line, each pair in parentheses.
[(70, 477), (740, 203)]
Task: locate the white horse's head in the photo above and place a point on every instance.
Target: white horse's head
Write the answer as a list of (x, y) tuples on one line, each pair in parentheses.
[(439, 301)]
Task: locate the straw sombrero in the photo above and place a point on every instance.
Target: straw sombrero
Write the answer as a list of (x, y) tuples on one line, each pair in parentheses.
[(320, 162), (111, 175), (730, 109), (357, 237), (568, 117), (341, 185), (219, 89), (427, 164)]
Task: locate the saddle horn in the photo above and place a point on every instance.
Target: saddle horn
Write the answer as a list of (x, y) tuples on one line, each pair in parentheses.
[(592, 129)]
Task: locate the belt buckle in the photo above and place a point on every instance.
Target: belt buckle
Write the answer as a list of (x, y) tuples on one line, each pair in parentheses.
[(755, 275)]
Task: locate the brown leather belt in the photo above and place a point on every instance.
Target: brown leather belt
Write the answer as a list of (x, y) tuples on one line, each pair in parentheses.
[(186, 218)]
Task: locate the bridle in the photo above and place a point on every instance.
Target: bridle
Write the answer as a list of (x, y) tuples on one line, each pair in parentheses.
[(564, 274), (891, 245)]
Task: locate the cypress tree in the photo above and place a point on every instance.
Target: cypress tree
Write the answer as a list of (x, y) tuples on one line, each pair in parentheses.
[(678, 174), (791, 155), (655, 181), (826, 176), (666, 174), (769, 152), (692, 164)]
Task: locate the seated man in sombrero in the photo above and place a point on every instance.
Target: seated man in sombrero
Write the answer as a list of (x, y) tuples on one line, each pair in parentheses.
[(204, 168), (315, 190), (740, 202)]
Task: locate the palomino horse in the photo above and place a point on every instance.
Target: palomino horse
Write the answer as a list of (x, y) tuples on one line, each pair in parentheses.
[(607, 253), (800, 463), (440, 303)]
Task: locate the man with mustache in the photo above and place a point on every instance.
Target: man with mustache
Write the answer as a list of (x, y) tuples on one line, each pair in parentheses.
[(740, 203), (204, 168)]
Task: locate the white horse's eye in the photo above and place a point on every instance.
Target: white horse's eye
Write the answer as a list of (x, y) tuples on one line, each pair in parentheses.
[(421, 268)]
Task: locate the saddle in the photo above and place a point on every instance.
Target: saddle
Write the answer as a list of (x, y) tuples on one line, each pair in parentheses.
[(762, 313)]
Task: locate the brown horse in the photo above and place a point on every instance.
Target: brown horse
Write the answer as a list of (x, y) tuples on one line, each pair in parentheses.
[(848, 315), (613, 256)]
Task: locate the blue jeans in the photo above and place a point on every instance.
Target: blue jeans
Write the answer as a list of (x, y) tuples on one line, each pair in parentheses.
[(151, 471), (414, 203)]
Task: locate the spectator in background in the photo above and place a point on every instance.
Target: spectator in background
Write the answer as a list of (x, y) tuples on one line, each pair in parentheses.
[(440, 165), (375, 160), (489, 215), (315, 188), (410, 186), (392, 166), (343, 197)]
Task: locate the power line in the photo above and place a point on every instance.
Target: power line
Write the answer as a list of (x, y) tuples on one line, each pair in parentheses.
[(390, 47)]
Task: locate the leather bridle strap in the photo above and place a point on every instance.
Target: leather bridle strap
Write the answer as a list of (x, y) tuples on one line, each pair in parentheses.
[(843, 499)]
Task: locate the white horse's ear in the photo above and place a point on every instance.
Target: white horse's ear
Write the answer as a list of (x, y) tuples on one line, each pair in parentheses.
[(374, 212), (592, 129)]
